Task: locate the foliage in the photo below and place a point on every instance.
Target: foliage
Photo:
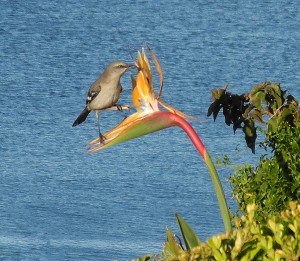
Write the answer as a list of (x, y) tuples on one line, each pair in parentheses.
[(277, 238), (265, 103), (276, 180)]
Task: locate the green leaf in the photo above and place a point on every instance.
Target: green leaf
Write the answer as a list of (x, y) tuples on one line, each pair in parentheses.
[(278, 93), (258, 99), (171, 246), (250, 134), (272, 125), (257, 115), (286, 112), (190, 238), (215, 242), (257, 89), (247, 110), (217, 94)]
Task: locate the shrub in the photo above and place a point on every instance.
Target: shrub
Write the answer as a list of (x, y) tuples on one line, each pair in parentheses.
[(277, 238), (276, 180)]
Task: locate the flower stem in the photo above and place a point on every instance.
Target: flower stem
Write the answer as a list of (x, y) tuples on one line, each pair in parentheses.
[(180, 122)]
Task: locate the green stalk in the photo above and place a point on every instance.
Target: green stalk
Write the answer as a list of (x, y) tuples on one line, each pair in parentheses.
[(219, 191), (180, 122)]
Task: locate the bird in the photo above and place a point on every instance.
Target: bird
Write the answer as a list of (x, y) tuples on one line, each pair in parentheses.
[(104, 92)]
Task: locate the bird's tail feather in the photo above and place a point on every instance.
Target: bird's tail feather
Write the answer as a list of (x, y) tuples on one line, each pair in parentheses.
[(82, 117)]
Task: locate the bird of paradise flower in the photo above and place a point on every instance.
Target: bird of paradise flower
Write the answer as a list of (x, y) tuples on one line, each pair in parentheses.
[(149, 118)]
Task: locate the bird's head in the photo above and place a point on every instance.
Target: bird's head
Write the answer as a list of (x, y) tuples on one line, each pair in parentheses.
[(118, 68)]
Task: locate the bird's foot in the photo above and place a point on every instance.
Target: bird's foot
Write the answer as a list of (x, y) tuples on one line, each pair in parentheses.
[(119, 107), (101, 138)]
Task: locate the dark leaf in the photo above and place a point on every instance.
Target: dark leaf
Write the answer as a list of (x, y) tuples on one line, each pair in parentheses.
[(237, 125), (250, 134), (227, 114), (216, 111), (212, 108)]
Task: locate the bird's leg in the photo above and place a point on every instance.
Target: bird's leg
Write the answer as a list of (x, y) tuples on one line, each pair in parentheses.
[(101, 137)]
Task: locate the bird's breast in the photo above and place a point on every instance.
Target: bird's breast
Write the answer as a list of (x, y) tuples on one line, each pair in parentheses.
[(107, 97)]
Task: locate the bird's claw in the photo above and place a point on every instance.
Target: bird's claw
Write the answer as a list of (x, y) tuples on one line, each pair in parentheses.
[(101, 138), (119, 107)]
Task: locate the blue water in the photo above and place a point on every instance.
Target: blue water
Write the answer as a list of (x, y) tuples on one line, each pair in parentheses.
[(58, 203)]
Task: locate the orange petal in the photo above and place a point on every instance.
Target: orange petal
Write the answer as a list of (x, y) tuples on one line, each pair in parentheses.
[(159, 70)]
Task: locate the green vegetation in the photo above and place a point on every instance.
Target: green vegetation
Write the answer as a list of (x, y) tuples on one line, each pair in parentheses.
[(277, 238), (276, 179)]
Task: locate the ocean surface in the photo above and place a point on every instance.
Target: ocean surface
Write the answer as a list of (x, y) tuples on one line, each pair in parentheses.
[(58, 203)]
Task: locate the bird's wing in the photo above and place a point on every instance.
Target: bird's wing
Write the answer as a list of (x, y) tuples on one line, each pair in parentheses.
[(92, 94)]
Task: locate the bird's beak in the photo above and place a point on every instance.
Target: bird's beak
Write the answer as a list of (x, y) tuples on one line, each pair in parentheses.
[(131, 66), (135, 66)]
